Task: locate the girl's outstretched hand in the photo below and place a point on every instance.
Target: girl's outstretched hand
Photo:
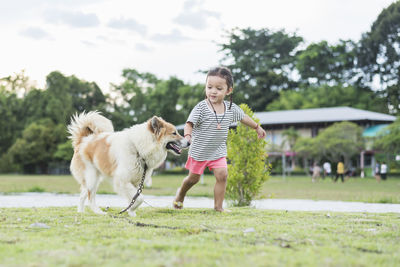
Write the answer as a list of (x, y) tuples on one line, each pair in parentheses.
[(260, 132)]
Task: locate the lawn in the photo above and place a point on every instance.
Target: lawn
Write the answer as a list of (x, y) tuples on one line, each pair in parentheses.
[(355, 189), (197, 237)]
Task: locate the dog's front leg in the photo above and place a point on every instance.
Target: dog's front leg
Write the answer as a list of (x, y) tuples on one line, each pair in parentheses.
[(127, 190), (148, 180)]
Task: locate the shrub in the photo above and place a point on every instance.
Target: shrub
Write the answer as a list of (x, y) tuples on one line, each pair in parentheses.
[(36, 189), (247, 165)]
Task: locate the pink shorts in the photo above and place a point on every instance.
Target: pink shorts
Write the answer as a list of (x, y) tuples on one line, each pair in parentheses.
[(198, 167)]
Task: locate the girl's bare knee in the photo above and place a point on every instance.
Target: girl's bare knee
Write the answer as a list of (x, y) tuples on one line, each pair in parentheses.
[(221, 176), (193, 178)]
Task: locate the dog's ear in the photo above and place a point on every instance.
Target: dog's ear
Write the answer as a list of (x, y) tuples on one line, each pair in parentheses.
[(156, 125)]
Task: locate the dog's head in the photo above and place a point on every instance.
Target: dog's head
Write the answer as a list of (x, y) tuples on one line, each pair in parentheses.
[(167, 135)]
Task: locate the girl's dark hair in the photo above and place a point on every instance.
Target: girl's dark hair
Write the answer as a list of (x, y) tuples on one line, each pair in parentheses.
[(226, 74)]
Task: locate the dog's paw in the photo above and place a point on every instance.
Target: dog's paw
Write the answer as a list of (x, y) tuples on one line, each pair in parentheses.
[(132, 213), (99, 211)]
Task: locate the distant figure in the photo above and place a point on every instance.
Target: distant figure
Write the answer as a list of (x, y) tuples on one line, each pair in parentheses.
[(327, 169), (340, 171), (350, 173), (383, 170), (377, 171), (316, 172)]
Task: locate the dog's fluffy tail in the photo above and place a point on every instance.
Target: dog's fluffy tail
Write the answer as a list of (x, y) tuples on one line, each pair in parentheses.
[(85, 124)]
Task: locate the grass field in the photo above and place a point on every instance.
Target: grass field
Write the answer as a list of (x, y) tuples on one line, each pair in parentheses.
[(197, 237), (355, 189)]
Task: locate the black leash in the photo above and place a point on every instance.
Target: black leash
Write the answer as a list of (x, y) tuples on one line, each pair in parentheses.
[(139, 191)]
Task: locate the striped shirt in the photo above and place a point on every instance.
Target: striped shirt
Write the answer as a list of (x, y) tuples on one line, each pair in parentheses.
[(208, 142)]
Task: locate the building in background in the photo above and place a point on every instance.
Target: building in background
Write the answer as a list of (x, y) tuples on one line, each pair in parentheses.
[(309, 122)]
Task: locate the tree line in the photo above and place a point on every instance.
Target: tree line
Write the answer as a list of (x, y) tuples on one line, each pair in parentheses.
[(273, 70)]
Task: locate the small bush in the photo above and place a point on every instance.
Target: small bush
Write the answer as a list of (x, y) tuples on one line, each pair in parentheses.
[(37, 189), (247, 165)]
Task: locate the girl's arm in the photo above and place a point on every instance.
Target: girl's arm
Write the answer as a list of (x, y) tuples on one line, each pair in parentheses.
[(252, 124), (187, 131)]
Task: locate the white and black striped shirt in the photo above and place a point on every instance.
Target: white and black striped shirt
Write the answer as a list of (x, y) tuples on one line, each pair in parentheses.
[(208, 142)]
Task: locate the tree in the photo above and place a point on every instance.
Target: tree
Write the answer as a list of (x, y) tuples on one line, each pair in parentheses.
[(86, 96), (37, 145), (389, 139), (142, 95), (247, 166), (163, 100), (129, 99), (262, 64), (323, 63), (307, 148), (329, 96), (379, 54), (12, 109), (341, 140), (18, 84), (11, 119), (189, 96), (64, 151)]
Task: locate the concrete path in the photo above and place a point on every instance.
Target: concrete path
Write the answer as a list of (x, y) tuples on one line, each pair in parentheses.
[(65, 200)]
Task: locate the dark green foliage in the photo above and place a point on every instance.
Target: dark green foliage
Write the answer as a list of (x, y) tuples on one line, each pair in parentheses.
[(64, 151), (37, 145), (379, 54), (11, 124), (262, 63), (323, 63), (330, 96), (142, 95), (389, 138), (341, 140)]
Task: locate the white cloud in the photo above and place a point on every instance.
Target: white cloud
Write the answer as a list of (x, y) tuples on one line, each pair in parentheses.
[(197, 20), (175, 36), (128, 24), (71, 18), (195, 16), (35, 33), (143, 47)]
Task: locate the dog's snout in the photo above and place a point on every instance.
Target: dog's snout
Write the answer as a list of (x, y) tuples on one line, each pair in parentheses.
[(184, 143)]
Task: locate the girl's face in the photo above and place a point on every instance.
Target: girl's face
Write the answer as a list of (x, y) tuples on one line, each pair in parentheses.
[(217, 89)]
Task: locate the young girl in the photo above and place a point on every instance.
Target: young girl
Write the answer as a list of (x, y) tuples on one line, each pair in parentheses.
[(207, 129)]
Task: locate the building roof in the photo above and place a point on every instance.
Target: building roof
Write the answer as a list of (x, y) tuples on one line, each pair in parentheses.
[(318, 115), (321, 115)]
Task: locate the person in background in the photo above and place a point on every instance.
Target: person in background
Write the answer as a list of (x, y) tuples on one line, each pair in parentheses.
[(383, 171), (327, 169), (340, 171), (377, 172), (316, 172)]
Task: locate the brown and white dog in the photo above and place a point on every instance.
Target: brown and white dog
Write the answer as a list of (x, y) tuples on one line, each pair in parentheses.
[(100, 153)]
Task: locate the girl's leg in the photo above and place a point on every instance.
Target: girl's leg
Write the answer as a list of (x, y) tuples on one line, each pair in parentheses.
[(187, 183), (221, 176)]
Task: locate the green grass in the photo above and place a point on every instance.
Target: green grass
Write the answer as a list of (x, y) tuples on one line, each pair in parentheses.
[(355, 189), (198, 237)]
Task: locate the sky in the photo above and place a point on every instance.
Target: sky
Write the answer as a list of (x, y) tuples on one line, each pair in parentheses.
[(96, 39)]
